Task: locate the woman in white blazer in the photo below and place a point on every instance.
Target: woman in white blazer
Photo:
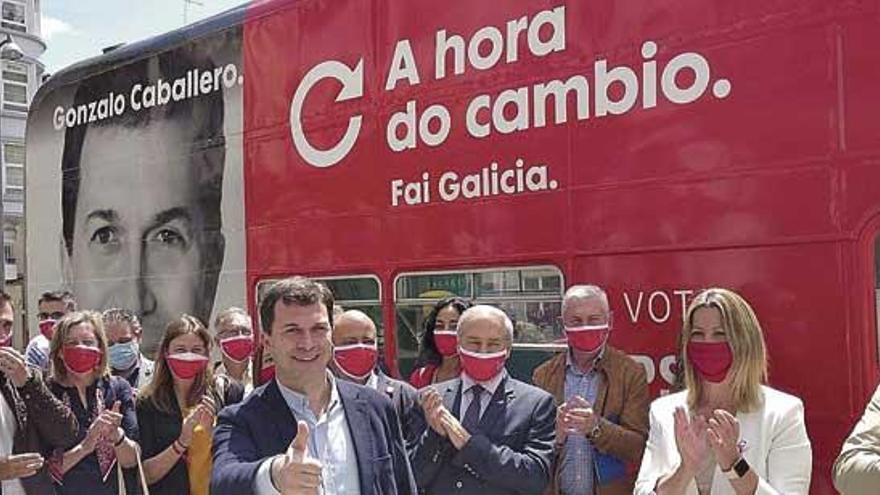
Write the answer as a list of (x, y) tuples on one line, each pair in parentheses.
[(727, 432)]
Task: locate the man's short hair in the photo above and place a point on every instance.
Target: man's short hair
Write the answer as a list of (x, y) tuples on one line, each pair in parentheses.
[(585, 292), (486, 310), (229, 313), (119, 315), (297, 290), (59, 296)]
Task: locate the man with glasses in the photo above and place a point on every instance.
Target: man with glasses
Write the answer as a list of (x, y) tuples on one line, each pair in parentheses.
[(234, 336), (602, 401), (51, 307)]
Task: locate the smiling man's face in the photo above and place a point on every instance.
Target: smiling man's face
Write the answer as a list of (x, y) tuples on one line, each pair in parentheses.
[(300, 340)]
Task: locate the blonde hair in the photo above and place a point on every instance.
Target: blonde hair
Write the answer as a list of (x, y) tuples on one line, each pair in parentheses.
[(749, 368), (63, 329)]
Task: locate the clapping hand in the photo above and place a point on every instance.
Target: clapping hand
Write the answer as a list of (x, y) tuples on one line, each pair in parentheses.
[(690, 438)]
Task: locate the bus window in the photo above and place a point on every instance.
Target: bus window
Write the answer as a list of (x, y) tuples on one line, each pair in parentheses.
[(532, 296)]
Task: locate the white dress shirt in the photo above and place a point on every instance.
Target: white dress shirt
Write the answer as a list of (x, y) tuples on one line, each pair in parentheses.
[(7, 437), (329, 442), (773, 437)]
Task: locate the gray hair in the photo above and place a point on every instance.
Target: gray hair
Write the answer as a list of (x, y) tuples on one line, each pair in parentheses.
[(583, 292), (483, 310), (230, 313)]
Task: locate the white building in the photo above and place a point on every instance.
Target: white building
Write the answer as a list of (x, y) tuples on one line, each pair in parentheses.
[(19, 19)]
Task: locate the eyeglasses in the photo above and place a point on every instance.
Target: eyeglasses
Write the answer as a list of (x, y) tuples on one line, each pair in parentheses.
[(234, 331), (50, 316)]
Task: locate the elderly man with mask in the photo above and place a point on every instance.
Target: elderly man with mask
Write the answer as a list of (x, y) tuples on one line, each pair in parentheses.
[(489, 433), (602, 399), (355, 355), (234, 335)]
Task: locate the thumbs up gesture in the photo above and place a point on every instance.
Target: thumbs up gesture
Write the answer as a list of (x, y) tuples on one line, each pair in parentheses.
[(295, 473)]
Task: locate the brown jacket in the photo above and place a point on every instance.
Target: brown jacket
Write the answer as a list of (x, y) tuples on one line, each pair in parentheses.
[(623, 396), (42, 424)]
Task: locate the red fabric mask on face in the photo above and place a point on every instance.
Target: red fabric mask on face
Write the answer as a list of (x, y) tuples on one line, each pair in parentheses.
[(356, 360), (447, 343), (80, 358), (267, 373), (482, 367), (47, 328), (711, 360), (238, 348), (186, 365), (587, 338)]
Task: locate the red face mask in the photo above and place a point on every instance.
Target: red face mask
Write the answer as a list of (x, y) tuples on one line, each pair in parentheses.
[(356, 360), (482, 367), (711, 360), (80, 358), (587, 338), (186, 365), (267, 373), (447, 343), (47, 328), (238, 348)]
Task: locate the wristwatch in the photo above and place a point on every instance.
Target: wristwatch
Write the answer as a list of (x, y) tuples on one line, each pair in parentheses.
[(739, 469), (594, 433)]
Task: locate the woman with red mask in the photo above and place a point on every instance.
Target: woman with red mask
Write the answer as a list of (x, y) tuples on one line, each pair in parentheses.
[(103, 406), (177, 409), (727, 432), (438, 359)]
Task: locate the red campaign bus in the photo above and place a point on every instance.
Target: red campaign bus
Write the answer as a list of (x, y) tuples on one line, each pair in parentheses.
[(501, 151)]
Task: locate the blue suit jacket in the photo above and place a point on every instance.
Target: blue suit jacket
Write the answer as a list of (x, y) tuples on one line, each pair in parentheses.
[(511, 453), (263, 426)]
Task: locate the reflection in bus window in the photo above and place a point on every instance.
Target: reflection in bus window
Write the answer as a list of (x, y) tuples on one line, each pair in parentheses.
[(532, 296)]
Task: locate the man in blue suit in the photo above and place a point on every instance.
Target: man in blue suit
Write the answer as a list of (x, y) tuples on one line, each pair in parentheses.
[(306, 432), (489, 434)]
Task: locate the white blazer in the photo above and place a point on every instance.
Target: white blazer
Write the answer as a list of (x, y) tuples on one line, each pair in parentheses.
[(776, 446)]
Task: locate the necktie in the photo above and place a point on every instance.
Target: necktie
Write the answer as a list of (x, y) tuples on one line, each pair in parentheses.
[(472, 415)]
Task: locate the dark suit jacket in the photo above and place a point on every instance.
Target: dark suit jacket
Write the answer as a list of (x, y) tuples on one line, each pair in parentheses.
[(405, 399), (42, 423), (263, 426), (511, 453)]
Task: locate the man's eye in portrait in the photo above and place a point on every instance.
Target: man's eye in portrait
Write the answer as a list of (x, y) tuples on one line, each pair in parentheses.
[(106, 237), (170, 238)]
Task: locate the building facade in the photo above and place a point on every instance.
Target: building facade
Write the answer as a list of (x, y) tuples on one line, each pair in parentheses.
[(19, 19)]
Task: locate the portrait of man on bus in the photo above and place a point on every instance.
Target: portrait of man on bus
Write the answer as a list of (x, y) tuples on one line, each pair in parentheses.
[(141, 194)]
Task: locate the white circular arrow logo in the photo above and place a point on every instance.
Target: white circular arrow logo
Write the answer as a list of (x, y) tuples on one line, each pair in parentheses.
[(352, 87)]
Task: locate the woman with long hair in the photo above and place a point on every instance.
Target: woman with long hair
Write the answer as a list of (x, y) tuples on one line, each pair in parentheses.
[(103, 406), (438, 357), (727, 432), (177, 409)]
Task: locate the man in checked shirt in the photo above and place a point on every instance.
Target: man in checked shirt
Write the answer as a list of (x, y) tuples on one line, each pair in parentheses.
[(602, 399)]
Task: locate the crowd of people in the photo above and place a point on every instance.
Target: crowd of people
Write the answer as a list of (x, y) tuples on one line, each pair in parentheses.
[(84, 411)]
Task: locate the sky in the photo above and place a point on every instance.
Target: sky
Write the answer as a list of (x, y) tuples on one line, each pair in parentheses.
[(75, 30)]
